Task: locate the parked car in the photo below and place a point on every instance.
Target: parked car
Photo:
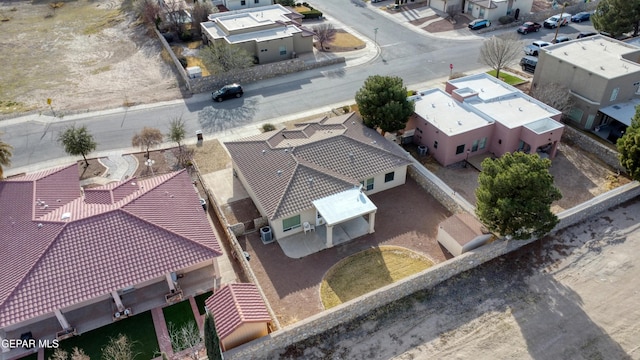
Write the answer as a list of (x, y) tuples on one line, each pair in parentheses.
[(557, 20), (560, 39), (581, 16), (529, 63), (586, 34), (535, 47), (227, 92), (479, 24), (529, 27)]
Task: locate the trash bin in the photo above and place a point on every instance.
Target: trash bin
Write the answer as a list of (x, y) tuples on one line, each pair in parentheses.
[(422, 150), (199, 135), (265, 234)]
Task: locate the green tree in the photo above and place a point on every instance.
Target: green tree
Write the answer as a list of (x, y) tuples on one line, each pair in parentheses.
[(177, 131), (221, 57), (499, 52), (147, 138), (514, 195), (77, 141), (629, 147), (211, 340), (5, 156), (383, 103), (617, 17)]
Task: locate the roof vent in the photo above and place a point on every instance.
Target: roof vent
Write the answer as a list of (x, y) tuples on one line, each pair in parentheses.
[(459, 122), (65, 216), (519, 109), (433, 105), (279, 172), (601, 67), (58, 200), (286, 150), (310, 180), (133, 183), (40, 225), (481, 89), (351, 155), (264, 151)]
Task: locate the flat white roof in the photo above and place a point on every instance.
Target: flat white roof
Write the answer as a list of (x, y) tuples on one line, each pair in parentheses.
[(448, 115), (272, 12), (344, 206), (514, 110), (485, 85), (598, 54), (264, 35), (243, 21), (623, 112), (544, 125)]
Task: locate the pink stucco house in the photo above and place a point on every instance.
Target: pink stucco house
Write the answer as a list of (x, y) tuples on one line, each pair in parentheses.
[(77, 259), (479, 114)]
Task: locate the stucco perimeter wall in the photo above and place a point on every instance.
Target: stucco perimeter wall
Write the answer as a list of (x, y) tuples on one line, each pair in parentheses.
[(427, 279), (434, 190), (255, 73), (607, 155)]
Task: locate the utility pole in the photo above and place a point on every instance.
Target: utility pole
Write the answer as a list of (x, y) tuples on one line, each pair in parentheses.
[(375, 36), (558, 23)]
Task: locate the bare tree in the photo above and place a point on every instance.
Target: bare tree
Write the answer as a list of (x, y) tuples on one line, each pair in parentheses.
[(149, 11), (174, 10), (185, 337), (555, 95), (147, 138), (499, 52), (119, 348), (200, 13), (221, 57), (324, 33)]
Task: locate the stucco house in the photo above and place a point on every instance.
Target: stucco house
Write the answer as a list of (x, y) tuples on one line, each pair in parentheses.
[(319, 174), (603, 77), (480, 114), (270, 33), (494, 9), (462, 233), (76, 259), (240, 314)]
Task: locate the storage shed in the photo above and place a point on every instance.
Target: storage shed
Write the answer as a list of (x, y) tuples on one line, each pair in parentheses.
[(240, 314), (461, 233)]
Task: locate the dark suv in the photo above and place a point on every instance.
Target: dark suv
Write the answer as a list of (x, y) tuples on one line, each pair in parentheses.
[(227, 92)]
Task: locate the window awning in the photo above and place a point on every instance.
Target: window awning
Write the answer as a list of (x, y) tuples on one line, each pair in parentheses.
[(623, 112), (344, 206)]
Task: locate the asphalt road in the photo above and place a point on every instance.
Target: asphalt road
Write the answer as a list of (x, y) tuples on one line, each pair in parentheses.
[(412, 55)]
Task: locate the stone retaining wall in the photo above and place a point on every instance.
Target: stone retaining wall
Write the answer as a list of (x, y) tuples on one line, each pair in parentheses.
[(601, 151), (434, 190), (427, 279)]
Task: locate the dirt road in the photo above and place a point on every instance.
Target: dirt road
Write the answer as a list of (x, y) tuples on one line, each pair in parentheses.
[(573, 296)]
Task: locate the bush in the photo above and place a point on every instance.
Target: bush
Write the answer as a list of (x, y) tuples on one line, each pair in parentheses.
[(457, 75), (305, 4), (183, 61), (506, 19), (186, 36), (268, 127), (346, 109), (286, 2), (311, 14), (411, 92)]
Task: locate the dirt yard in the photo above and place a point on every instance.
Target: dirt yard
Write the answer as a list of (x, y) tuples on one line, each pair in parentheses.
[(87, 55), (570, 296)]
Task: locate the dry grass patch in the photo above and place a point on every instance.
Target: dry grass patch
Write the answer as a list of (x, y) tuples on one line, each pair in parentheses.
[(301, 9), (211, 156), (367, 271), (344, 42), (196, 61)]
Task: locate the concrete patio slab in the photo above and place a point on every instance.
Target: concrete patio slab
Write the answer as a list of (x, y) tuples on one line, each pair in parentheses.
[(226, 188)]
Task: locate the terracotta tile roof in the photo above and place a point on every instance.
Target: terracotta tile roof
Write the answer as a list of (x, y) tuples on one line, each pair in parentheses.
[(463, 227), (234, 305), (289, 169), (82, 249)]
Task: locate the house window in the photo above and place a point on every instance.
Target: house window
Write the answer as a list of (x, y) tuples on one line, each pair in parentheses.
[(389, 176), (367, 184), (474, 146), (481, 14), (283, 50), (256, 1), (470, 7), (291, 223), (614, 94), (575, 114), (243, 2), (435, 144), (460, 149), (483, 143)]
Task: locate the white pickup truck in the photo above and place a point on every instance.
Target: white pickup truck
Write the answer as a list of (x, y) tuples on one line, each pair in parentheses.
[(535, 47)]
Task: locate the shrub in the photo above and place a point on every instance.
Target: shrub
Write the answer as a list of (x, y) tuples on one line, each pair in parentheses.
[(183, 61), (268, 127), (186, 36), (311, 14), (346, 109), (411, 92), (506, 19), (286, 2), (457, 75), (305, 4)]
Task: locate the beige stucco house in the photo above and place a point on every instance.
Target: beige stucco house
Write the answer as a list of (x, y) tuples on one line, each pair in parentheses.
[(269, 33), (494, 9), (319, 174), (603, 77)]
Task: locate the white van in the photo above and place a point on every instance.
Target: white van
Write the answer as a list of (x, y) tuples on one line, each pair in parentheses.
[(557, 20)]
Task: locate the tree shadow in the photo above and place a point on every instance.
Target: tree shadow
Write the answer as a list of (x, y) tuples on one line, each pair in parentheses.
[(224, 116)]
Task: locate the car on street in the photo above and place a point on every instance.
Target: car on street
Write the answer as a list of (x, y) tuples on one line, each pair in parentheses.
[(529, 27), (227, 92), (528, 63), (479, 24), (581, 16), (535, 47), (557, 20), (560, 39), (586, 34)]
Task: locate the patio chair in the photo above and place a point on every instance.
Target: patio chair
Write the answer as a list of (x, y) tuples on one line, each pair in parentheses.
[(308, 227)]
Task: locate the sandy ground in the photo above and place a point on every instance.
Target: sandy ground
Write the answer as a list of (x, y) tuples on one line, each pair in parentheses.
[(572, 296), (89, 55)]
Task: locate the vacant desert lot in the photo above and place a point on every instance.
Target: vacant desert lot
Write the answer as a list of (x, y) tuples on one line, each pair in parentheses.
[(87, 55)]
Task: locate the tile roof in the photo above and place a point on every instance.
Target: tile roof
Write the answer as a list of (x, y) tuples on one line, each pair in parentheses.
[(234, 305), (289, 169), (86, 246)]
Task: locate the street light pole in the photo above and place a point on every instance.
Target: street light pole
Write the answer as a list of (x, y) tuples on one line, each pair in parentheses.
[(375, 36)]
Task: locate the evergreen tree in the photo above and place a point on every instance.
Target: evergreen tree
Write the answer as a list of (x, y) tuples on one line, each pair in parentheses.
[(383, 103), (211, 340)]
